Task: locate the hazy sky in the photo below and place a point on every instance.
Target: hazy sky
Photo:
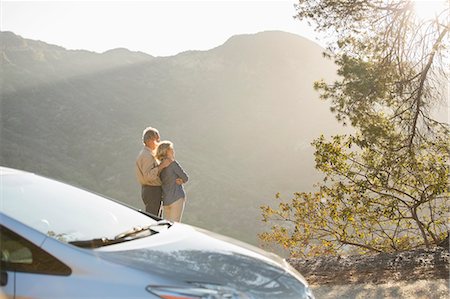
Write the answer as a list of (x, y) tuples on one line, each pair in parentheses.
[(159, 28)]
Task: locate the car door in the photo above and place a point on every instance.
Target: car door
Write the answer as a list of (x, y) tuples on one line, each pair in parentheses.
[(6, 284), (7, 274), (23, 263)]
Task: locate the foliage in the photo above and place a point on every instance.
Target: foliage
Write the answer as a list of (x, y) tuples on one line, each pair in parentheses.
[(371, 199), (385, 187), (389, 60)]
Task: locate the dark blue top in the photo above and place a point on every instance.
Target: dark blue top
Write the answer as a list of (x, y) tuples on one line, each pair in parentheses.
[(170, 189)]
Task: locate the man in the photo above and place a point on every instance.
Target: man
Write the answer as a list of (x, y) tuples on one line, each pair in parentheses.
[(147, 172)]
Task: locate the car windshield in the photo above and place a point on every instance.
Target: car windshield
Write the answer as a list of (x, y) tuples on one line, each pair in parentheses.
[(65, 212)]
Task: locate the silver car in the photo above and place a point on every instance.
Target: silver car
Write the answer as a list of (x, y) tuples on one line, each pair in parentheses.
[(58, 241)]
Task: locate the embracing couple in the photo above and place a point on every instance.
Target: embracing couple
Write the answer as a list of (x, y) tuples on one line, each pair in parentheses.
[(161, 177)]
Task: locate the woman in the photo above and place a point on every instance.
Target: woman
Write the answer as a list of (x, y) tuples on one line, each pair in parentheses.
[(172, 178)]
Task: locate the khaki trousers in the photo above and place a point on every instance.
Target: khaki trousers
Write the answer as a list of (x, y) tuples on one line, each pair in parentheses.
[(173, 212)]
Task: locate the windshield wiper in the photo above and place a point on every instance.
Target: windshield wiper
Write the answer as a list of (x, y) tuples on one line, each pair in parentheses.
[(122, 237), (95, 243), (138, 229)]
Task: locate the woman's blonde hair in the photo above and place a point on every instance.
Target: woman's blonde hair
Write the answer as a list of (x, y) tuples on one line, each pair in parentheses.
[(161, 151)]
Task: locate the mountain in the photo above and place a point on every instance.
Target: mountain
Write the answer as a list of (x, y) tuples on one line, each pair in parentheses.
[(241, 116)]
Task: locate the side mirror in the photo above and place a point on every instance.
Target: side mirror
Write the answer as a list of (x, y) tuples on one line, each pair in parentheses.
[(3, 278)]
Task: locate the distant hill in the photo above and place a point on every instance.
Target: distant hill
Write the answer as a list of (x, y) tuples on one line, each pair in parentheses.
[(241, 116)]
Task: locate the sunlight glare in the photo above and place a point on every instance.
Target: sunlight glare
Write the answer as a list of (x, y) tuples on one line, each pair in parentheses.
[(427, 10)]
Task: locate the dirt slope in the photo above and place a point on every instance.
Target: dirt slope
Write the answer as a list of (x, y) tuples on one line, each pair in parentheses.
[(410, 274)]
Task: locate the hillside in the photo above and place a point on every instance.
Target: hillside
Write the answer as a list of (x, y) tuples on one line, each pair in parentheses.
[(241, 116)]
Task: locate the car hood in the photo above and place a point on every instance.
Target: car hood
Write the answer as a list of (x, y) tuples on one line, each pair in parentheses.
[(191, 255)]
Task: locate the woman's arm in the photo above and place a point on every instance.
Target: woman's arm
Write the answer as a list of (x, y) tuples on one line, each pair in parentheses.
[(149, 169), (180, 172)]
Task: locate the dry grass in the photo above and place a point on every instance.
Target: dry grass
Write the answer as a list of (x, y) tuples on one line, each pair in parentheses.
[(411, 274), (421, 289)]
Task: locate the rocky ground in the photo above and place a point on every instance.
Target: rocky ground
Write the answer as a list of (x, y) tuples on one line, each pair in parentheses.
[(411, 274)]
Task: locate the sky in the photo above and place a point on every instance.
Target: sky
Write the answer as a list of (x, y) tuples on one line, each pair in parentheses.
[(158, 28)]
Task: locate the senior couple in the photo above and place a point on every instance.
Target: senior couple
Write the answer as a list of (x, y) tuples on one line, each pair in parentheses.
[(161, 177)]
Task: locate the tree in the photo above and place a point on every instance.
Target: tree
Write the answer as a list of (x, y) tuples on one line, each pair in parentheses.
[(385, 187)]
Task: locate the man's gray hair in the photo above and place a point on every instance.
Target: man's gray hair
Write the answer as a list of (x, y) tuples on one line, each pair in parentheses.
[(149, 133)]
